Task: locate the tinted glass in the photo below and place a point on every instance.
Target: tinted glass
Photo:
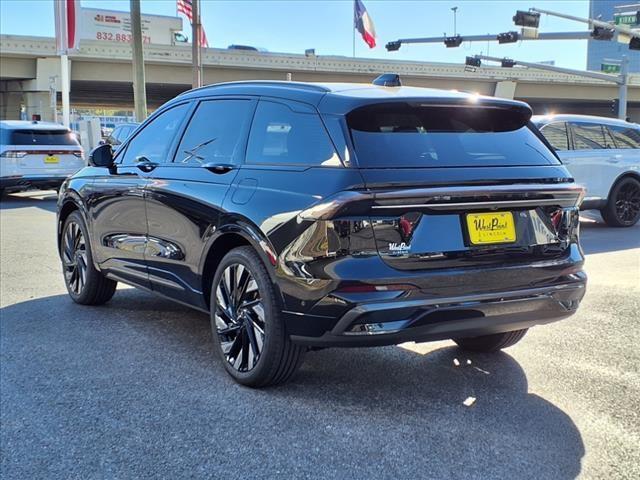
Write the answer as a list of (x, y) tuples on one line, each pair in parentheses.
[(407, 135), (588, 136), (154, 141), (42, 137), (281, 136), (214, 133), (556, 135), (626, 137)]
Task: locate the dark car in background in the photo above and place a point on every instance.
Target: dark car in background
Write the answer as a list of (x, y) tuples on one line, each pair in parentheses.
[(302, 216), (120, 133)]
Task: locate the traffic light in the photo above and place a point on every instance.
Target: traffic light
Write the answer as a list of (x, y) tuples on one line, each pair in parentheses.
[(526, 19), (508, 37), (615, 105), (451, 42), (508, 63), (634, 43), (602, 33), (473, 62), (393, 46)]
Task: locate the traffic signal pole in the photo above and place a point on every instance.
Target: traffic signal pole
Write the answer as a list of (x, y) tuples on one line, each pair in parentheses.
[(621, 80)]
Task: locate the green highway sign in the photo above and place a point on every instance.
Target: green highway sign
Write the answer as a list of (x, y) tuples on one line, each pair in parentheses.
[(628, 18), (610, 67)]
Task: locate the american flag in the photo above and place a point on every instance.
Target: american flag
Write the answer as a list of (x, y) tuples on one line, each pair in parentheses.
[(186, 7)]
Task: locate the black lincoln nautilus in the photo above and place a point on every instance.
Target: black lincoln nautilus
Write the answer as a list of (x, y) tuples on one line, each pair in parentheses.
[(302, 216)]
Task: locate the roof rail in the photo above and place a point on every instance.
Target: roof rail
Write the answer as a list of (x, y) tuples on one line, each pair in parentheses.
[(274, 83)]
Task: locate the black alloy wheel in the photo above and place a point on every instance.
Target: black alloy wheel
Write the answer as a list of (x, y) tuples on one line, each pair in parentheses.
[(85, 284), (623, 208), (239, 317), (74, 258), (247, 322)]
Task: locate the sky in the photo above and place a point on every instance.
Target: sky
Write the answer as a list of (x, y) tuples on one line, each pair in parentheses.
[(295, 25)]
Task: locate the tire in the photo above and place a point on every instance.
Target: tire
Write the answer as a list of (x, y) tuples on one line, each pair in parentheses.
[(491, 343), (623, 205), (247, 325), (85, 284)]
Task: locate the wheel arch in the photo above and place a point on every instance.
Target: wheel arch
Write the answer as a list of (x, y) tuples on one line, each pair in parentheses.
[(227, 238), (629, 173), (69, 204)]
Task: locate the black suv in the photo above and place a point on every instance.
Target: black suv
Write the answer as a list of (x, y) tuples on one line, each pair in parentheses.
[(331, 215)]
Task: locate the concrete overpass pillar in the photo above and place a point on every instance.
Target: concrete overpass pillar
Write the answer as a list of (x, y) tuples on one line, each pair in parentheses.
[(10, 101), (37, 92)]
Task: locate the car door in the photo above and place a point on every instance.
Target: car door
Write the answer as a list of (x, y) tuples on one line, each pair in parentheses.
[(117, 203), (626, 156), (185, 196), (588, 161)]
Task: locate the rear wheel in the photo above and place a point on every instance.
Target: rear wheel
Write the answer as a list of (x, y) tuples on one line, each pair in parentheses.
[(623, 206), (247, 325), (491, 343), (85, 284)]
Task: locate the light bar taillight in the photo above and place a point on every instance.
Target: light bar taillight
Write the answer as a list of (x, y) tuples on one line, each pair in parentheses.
[(13, 154)]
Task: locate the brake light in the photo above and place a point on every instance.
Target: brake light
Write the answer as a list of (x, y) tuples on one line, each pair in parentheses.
[(79, 154), (12, 154)]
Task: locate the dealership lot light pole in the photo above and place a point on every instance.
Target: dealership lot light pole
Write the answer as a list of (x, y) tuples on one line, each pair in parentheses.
[(139, 87)]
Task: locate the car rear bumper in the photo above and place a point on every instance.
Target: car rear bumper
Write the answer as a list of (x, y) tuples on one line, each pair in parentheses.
[(397, 321), (19, 182)]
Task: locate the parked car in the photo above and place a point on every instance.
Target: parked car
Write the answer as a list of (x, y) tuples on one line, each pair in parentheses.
[(37, 155), (331, 215), (120, 133), (603, 154)]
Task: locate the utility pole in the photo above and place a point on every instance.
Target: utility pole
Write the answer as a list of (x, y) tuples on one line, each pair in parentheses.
[(196, 29), (624, 84), (139, 87)]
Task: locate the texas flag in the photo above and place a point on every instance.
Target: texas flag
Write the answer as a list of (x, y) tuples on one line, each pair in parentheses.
[(363, 23)]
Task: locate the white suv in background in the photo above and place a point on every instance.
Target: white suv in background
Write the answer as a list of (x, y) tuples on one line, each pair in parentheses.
[(37, 155), (602, 154)]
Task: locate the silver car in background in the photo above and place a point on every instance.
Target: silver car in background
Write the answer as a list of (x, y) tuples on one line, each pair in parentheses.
[(602, 154), (37, 155)]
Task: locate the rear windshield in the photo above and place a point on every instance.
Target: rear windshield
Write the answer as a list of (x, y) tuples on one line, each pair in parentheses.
[(393, 135), (41, 137)]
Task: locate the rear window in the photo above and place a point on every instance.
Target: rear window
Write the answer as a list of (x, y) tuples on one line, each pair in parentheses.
[(396, 135), (42, 137)]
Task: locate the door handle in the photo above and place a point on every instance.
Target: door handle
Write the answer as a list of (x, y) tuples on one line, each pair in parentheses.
[(144, 164), (219, 168)]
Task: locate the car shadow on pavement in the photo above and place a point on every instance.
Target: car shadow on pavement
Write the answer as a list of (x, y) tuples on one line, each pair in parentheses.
[(388, 412), (45, 200)]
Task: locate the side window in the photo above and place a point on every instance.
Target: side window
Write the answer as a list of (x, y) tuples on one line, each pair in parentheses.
[(556, 135), (215, 132), (608, 139), (625, 137), (155, 139), (588, 136), (281, 136)]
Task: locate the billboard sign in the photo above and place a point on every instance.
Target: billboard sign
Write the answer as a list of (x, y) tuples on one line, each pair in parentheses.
[(115, 27)]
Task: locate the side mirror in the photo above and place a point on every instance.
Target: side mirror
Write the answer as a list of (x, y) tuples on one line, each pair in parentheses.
[(101, 156)]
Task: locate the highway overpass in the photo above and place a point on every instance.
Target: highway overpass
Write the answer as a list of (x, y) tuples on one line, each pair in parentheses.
[(101, 76)]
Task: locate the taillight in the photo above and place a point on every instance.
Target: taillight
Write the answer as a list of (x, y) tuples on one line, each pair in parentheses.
[(79, 154), (12, 154)]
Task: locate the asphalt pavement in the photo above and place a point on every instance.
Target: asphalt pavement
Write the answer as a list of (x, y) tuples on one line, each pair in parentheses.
[(133, 389)]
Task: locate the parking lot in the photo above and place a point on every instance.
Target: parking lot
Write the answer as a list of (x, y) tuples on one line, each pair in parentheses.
[(133, 390)]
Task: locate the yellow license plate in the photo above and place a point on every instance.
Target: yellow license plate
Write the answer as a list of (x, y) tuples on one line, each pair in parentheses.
[(51, 159), (487, 228)]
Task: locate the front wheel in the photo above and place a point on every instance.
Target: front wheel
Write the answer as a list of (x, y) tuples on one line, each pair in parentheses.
[(491, 343), (247, 324), (85, 284), (623, 206)]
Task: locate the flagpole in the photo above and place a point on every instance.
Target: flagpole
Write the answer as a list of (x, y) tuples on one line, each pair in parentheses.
[(64, 88), (353, 29), (195, 44)]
